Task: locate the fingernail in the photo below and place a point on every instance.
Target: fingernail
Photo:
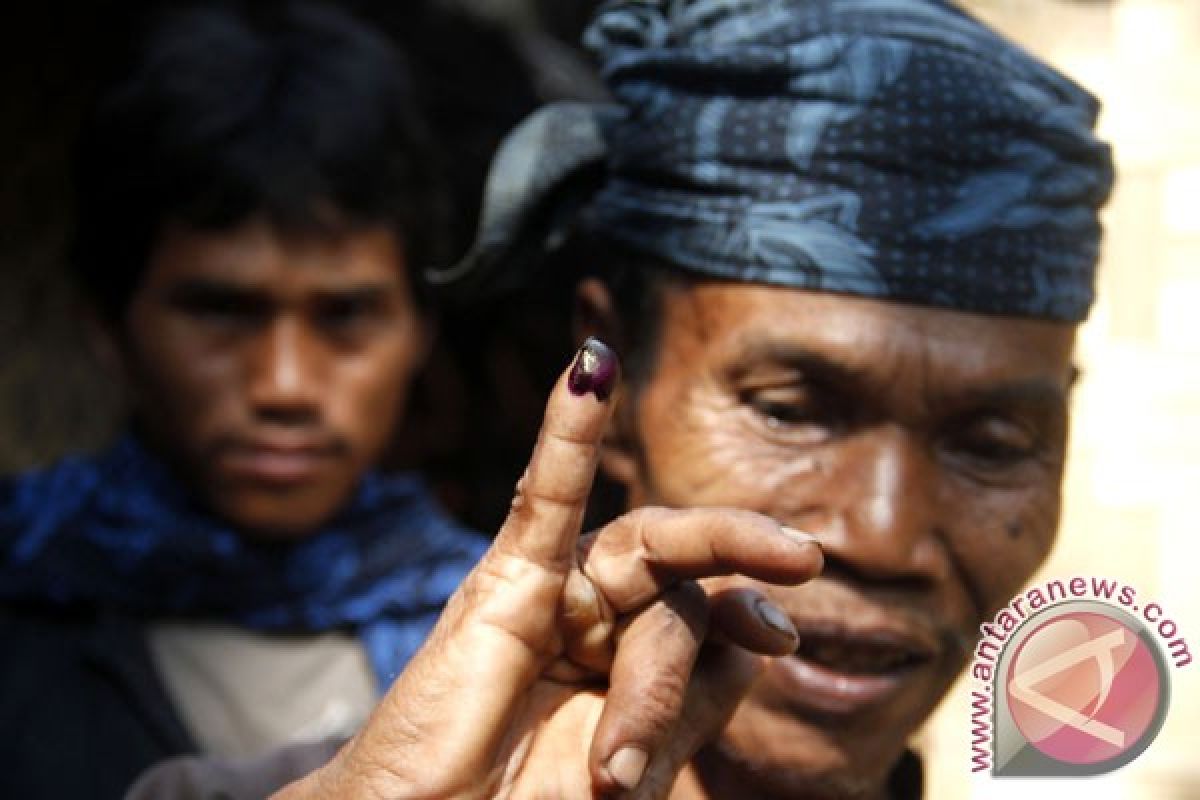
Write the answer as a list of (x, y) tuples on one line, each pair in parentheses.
[(775, 618), (627, 766), (594, 370), (800, 537)]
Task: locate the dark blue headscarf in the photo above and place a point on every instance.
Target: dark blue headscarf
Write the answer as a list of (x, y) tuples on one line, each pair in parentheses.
[(895, 149), (115, 532)]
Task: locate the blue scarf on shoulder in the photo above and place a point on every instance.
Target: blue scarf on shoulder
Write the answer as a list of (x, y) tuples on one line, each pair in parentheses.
[(114, 532)]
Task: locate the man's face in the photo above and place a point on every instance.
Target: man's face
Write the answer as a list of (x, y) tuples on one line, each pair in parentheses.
[(270, 369), (925, 450)]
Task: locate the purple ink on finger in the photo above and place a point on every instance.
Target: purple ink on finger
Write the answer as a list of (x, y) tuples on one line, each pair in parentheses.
[(594, 370)]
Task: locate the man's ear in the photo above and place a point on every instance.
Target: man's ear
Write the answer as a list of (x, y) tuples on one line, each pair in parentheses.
[(595, 314), (104, 342), (426, 331)]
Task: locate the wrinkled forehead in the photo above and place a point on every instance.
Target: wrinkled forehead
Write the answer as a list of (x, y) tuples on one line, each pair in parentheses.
[(875, 344)]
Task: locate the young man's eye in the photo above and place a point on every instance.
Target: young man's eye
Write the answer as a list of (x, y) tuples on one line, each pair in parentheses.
[(220, 307), (346, 313)]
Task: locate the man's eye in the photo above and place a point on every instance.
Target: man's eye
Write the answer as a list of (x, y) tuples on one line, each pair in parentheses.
[(790, 411), (779, 415), (996, 442), (343, 315), (221, 308)]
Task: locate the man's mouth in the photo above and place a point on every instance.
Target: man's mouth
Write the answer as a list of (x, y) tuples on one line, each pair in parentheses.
[(858, 655), (279, 463), (836, 670)]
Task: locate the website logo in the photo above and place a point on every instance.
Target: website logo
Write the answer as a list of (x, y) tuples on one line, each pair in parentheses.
[(1070, 681)]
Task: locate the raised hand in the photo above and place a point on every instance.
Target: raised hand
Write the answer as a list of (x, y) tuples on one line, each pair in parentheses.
[(568, 666)]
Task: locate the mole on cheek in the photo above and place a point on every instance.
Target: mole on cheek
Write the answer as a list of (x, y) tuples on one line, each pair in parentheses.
[(1014, 529)]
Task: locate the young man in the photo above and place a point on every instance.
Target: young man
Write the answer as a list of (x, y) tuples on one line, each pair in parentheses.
[(233, 574)]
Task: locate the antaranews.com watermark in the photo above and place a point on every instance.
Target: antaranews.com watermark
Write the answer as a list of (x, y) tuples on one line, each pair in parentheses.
[(1071, 678)]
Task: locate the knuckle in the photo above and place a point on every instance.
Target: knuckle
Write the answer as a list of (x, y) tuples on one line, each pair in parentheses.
[(559, 474), (726, 525), (568, 426), (518, 500), (504, 585), (659, 700), (570, 435), (642, 517), (628, 531), (689, 602), (684, 624), (580, 605), (563, 484), (550, 489), (640, 524)]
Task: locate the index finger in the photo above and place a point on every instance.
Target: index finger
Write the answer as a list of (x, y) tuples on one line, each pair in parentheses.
[(547, 510)]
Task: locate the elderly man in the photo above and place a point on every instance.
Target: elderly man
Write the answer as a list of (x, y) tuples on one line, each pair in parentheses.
[(844, 246)]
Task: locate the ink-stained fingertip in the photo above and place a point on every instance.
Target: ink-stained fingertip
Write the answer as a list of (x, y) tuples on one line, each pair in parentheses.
[(594, 370)]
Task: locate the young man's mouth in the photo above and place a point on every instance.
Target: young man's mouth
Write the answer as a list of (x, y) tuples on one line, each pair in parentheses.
[(278, 462)]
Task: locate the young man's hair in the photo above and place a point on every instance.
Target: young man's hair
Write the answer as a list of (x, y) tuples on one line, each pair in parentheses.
[(294, 112)]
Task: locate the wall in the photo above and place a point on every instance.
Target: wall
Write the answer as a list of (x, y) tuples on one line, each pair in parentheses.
[(1134, 469)]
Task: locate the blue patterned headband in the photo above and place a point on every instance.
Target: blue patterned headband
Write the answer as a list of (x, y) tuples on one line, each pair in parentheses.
[(895, 149)]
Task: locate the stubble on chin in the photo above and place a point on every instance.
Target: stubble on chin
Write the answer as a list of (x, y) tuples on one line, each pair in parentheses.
[(726, 768)]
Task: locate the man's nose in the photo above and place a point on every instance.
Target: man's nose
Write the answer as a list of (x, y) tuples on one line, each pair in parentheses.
[(285, 373), (884, 514)]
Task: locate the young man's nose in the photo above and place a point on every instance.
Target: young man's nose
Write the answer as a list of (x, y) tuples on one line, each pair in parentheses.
[(882, 512), (286, 372)]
